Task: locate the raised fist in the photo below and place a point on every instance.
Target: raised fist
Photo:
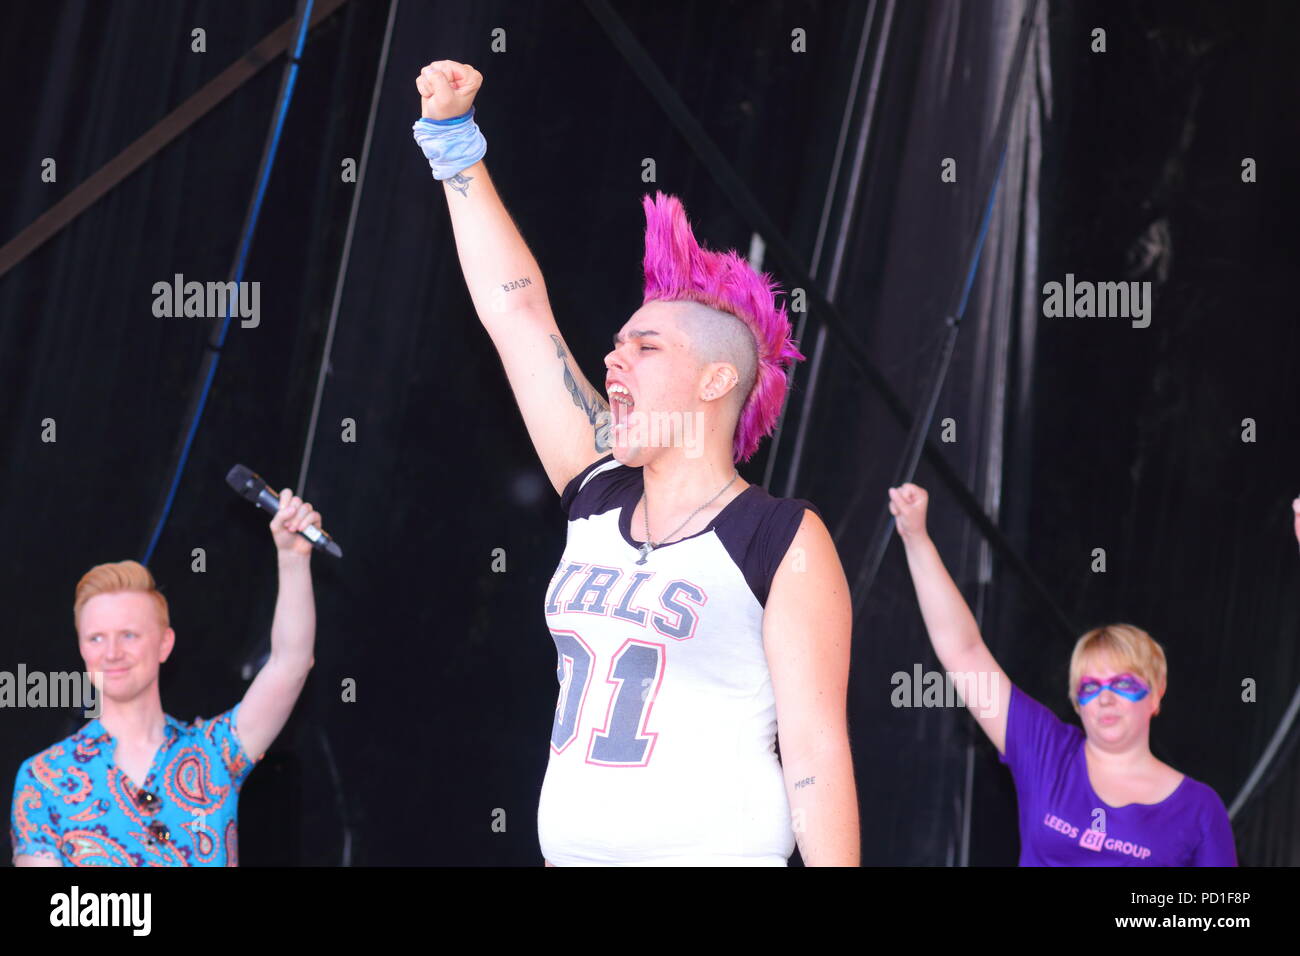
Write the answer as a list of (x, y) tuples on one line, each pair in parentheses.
[(294, 515), (447, 89), (907, 504)]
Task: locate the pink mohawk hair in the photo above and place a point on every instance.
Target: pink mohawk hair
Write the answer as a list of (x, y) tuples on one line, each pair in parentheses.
[(678, 269)]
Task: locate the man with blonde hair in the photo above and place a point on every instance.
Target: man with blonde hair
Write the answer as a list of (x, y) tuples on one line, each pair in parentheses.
[(135, 786)]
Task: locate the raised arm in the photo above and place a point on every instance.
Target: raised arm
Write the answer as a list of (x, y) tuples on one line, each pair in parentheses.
[(567, 419), (269, 701), (953, 631)]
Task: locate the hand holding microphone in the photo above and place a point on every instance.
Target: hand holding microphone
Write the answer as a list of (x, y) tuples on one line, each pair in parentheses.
[(293, 517), (295, 521)]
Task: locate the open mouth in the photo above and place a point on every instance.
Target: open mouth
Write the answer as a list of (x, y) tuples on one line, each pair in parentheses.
[(621, 404)]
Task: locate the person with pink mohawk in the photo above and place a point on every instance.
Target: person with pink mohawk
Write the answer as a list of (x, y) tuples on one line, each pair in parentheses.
[(697, 619), (678, 270)]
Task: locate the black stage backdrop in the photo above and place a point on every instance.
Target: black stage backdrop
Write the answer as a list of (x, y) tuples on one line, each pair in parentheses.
[(1075, 434)]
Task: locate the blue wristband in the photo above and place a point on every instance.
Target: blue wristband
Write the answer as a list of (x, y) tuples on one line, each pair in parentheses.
[(450, 145), (454, 121)]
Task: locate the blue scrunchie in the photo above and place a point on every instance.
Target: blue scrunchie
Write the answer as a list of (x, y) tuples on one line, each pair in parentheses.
[(450, 145)]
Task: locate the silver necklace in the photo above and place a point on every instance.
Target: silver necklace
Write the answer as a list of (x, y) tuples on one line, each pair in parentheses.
[(647, 546)]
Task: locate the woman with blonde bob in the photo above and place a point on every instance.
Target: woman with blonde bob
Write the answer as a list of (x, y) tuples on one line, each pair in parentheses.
[(1090, 797)]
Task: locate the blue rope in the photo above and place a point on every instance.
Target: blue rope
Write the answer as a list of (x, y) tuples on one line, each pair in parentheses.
[(984, 231), (245, 243)]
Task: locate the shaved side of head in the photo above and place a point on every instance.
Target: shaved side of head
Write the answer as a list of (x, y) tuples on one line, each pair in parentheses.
[(718, 336), (677, 268)]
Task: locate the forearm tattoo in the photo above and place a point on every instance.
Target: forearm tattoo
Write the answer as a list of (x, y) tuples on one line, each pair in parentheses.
[(593, 406), (460, 182), (805, 782)]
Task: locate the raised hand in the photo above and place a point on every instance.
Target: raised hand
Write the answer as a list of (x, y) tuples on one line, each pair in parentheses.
[(294, 515), (908, 504), (447, 89)]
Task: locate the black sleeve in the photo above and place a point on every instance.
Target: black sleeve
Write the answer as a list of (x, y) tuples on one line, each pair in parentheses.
[(771, 538), (571, 494)]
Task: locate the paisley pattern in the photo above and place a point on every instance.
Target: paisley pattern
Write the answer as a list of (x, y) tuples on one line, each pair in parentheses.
[(25, 798), (73, 803), (190, 782), (43, 771), (92, 848), (232, 844), (205, 841), (92, 812), (76, 785)]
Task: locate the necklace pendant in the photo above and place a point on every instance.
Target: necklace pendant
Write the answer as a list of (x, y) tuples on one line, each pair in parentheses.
[(646, 548)]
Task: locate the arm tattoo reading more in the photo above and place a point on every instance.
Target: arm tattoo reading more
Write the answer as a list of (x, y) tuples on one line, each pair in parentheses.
[(593, 406), (805, 782), (460, 182)]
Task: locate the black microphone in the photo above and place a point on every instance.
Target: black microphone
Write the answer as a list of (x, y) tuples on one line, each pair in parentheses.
[(249, 484)]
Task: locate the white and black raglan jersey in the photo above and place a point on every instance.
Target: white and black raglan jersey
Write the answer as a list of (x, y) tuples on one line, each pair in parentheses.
[(663, 743)]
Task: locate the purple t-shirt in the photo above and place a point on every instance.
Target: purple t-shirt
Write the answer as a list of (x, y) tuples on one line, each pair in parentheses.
[(1060, 822)]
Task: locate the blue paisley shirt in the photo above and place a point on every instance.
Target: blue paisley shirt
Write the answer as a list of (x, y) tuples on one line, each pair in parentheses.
[(72, 801)]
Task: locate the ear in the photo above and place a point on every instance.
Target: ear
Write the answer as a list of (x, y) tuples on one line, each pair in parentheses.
[(168, 642), (719, 378)]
